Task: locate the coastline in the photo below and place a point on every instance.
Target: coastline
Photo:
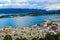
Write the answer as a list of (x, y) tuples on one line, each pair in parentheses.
[(35, 31)]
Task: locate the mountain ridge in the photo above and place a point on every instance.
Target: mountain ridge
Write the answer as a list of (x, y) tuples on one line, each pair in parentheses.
[(27, 11), (21, 10)]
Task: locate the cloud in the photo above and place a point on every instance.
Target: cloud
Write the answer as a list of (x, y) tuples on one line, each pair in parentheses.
[(5, 1), (21, 0), (53, 7), (39, 0), (34, 4), (1, 5), (24, 6), (8, 0), (53, 1)]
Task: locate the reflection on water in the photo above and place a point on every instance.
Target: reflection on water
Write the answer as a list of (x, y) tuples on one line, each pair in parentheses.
[(26, 21)]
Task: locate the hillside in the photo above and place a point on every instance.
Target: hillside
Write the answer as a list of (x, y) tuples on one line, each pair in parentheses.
[(12, 10)]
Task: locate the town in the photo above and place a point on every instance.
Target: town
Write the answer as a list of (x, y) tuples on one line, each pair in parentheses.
[(36, 31)]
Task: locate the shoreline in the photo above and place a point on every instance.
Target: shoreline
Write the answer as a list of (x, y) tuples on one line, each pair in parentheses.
[(35, 31)]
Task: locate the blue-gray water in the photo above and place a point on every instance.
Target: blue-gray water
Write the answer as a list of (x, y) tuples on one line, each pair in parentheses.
[(25, 21)]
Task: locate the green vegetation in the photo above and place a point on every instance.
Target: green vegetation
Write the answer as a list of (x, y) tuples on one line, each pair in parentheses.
[(35, 38), (17, 39), (52, 37), (23, 14), (7, 37), (21, 38), (51, 24), (47, 37), (29, 14)]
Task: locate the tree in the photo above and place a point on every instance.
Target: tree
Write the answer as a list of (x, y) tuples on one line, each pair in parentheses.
[(17, 39), (58, 36), (20, 38), (49, 24), (7, 37), (35, 38), (24, 39), (40, 38), (49, 37)]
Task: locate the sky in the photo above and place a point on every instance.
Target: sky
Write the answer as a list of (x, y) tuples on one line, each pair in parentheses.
[(31, 4)]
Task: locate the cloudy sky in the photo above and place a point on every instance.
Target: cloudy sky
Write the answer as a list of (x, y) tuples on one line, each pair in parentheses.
[(31, 4)]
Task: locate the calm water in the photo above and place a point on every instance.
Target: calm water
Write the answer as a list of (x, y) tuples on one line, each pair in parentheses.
[(26, 21)]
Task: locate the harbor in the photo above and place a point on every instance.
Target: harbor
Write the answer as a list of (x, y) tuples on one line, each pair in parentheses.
[(37, 30)]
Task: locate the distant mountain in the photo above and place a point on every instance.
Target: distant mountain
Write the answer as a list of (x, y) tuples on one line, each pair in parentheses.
[(54, 12), (26, 12), (58, 11), (13, 10)]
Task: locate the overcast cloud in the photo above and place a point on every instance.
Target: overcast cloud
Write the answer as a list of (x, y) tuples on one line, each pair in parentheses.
[(31, 4)]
